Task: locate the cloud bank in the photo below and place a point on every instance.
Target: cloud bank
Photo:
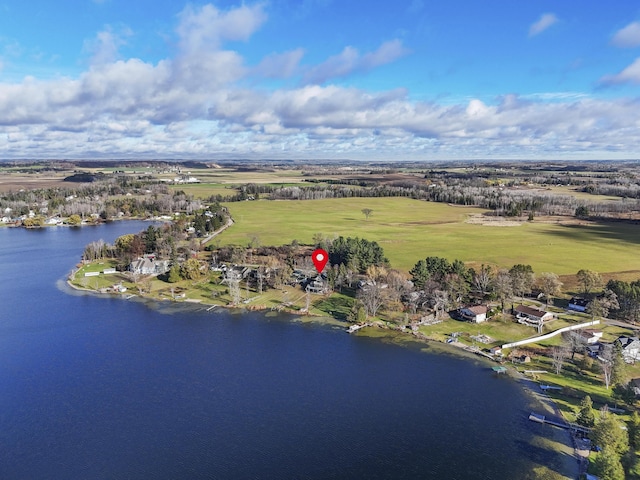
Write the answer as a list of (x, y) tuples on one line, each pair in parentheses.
[(201, 104)]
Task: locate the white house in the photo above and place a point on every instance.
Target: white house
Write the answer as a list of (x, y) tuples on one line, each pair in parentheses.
[(148, 265), (630, 348), (531, 314), (475, 314), (590, 336)]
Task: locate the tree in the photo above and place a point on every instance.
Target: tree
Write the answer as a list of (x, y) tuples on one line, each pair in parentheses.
[(502, 286), (600, 307), (582, 211), (550, 285), (559, 354), (618, 367), (150, 238), (606, 366), (420, 274), (174, 274), (372, 297), (633, 428), (74, 220), (482, 280), (522, 279), (607, 465), (440, 301), (574, 342), (586, 416), (589, 280), (367, 212), (608, 432), (191, 269)]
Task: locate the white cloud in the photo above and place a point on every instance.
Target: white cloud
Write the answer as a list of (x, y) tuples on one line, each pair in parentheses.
[(280, 65), (206, 27), (104, 47), (350, 61), (631, 74), (197, 104), (628, 36), (544, 22)]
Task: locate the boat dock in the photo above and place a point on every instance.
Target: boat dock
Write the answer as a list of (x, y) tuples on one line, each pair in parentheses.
[(355, 328), (538, 418)]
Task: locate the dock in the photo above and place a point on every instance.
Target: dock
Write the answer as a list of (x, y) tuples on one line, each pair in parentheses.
[(538, 418), (499, 369), (355, 328)]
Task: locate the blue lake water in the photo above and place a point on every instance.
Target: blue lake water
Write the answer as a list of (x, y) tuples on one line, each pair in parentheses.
[(104, 388)]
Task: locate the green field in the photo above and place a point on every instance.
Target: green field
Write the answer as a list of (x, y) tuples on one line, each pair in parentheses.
[(410, 230)]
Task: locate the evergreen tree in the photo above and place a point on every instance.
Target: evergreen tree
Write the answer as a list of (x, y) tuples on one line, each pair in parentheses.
[(420, 274), (633, 429), (607, 465), (174, 274), (619, 371), (586, 415), (608, 432)]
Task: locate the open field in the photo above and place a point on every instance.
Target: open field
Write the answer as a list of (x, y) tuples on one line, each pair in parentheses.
[(410, 230)]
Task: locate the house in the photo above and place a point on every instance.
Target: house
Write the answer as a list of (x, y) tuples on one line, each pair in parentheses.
[(593, 350), (532, 315), (590, 336), (578, 304), (148, 265), (317, 285), (475, 314), (630, 348), (496, 350)]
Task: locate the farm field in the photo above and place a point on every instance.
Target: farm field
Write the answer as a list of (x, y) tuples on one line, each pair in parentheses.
[(410, 230)]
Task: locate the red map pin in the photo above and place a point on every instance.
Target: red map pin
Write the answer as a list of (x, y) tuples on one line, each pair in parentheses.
[(320, 258)]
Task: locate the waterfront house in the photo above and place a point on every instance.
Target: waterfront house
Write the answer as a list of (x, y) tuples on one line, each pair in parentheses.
[(149, 265), (475, 314), (630, 348), (532, 315)]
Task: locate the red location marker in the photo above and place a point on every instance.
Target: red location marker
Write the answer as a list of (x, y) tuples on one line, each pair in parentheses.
[(320, 258)]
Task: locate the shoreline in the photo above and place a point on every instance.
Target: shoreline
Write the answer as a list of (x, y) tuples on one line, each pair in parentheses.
[(564, 445)]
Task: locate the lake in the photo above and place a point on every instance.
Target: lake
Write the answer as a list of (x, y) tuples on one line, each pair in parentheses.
[(105, 388)]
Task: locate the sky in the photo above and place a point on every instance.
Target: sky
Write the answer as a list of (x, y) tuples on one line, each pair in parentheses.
[(320, 79)]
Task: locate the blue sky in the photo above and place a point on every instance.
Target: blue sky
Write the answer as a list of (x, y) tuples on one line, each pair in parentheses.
[(404, 80)]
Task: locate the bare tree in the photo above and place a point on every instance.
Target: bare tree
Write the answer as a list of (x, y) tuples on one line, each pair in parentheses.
[(372, 298), (550, 285), (559, 354), (606, 366), (502, 286), (574, 342), (233, 279), (367, 212), (482, 280), (440, 301)]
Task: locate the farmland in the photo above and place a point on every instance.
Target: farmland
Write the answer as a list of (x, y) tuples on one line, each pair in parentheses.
[(410, 230)]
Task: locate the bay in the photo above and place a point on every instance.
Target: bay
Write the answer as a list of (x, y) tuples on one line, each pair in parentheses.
[(101, 387)]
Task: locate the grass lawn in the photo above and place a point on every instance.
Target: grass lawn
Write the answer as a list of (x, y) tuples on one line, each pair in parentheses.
[(410, 230)]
